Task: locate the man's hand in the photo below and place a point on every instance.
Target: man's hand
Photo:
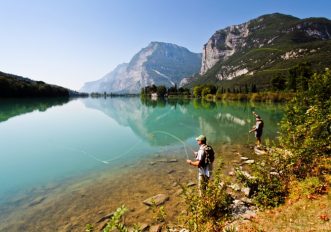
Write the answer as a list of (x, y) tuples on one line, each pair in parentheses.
[(189, 161)]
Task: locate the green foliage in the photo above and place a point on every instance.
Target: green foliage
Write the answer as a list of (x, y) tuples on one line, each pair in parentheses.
[(16, 86), (279, 37), (115, 222), (159, 211), (306, 126), (278, 82), (307, 187), (305, 145), (267, 188), (207, 212)]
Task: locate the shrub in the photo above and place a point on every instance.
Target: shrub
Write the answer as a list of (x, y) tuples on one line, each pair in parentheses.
[(207, 213)]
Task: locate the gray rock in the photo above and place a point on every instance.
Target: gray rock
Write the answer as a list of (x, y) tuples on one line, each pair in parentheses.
[(172, 161), (247, 200), (152, 163), (249, 162), (249, 215), (246, 191), (235, 187), (156, 200), (247, 175)]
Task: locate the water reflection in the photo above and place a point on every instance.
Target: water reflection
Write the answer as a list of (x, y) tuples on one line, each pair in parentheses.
[(14, 107), (222, 122)]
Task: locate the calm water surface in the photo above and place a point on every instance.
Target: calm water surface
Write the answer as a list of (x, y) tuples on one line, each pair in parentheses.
[(47, 142)]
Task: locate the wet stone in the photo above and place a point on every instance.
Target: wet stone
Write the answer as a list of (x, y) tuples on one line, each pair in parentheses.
[(156, 200), (105, 217)]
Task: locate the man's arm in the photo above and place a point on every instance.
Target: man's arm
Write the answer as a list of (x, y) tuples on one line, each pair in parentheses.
[(193, 163)]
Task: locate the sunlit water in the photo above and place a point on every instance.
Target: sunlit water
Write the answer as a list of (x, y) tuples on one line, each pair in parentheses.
[(47, 142)]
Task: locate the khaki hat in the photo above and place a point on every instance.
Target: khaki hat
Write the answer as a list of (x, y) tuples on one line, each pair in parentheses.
[(201, 138)]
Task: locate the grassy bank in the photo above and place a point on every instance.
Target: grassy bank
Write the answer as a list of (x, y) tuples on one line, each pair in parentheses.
[(253, 97)]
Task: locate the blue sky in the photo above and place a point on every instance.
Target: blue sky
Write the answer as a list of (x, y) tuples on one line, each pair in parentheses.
[(70, 42)]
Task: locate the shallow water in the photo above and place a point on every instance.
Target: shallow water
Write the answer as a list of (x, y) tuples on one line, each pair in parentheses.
[(77, 160)]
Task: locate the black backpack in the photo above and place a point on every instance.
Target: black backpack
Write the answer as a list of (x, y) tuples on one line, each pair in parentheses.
[(208, 156)]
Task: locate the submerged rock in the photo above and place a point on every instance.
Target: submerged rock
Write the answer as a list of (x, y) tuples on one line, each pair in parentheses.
[(156, 200), (37, 201), (105, 217)]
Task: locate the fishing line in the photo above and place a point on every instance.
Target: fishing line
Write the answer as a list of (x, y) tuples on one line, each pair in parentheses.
[(96, 158), (175, 137)]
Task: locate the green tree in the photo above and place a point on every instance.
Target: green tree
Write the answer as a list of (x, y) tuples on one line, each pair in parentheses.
[(197, 91), (161, 90), (306, 129), (278, 82)]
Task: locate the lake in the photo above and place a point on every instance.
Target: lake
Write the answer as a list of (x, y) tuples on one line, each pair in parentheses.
[(59, 155)]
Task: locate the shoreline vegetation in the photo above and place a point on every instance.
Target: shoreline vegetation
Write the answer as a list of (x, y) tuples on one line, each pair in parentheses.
[(294, 175)]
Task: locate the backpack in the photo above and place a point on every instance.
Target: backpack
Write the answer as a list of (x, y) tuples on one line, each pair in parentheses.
[(208, 156)]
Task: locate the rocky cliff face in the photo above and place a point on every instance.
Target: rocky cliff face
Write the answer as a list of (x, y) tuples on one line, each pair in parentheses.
[(223, 44), (159, 63), (231, 52)]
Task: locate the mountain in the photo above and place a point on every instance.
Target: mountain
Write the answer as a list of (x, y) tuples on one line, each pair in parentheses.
[(17, 86), (262, 48), (159, 63)]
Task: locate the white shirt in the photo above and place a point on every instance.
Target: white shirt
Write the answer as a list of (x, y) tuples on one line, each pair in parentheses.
[(207, 170)]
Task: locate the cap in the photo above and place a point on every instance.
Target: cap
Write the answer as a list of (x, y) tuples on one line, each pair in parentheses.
[(201, 138)]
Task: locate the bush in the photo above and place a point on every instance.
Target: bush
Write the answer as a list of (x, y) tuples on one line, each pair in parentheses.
[(207, 213)]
